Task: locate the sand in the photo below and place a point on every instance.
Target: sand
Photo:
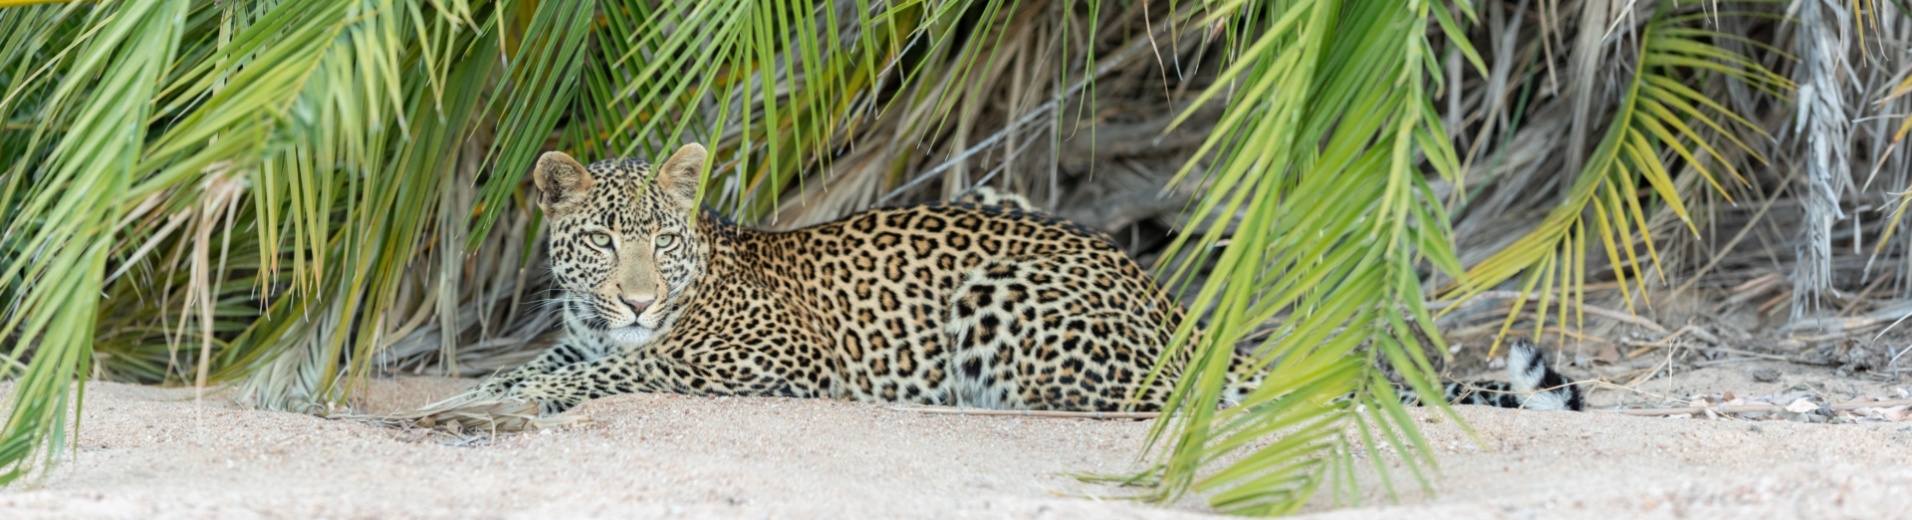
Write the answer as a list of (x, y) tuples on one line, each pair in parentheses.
[(157, 453)]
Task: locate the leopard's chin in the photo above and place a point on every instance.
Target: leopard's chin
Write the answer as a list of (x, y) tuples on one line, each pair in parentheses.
[(631, 335)]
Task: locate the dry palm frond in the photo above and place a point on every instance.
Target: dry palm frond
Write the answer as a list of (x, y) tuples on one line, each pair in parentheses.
[(1822, 126), (472, 411)]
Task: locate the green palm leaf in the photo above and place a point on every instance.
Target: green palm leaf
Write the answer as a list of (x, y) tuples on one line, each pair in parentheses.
[(1318, 154), (1658, 115), (68, 242)]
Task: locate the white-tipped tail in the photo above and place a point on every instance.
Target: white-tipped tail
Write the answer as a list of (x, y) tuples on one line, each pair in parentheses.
[(1539, 386)]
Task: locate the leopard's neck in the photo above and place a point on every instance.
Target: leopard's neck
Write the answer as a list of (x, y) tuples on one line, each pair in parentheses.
[(737, 254)]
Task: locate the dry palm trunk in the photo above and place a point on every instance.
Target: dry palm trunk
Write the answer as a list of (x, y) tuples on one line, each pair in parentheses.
[(1821, 127)]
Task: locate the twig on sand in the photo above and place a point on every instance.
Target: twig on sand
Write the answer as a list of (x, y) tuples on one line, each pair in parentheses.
[(1888, 314), (957, 410), (1757, 407)]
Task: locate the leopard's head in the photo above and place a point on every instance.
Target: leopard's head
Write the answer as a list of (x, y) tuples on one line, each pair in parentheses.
[(624, 248)]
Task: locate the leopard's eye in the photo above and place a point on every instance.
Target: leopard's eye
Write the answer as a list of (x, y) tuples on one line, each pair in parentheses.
[(663, 241), (599, 239)]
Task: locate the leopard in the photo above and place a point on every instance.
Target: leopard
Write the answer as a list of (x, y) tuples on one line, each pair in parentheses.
[(981, 302)]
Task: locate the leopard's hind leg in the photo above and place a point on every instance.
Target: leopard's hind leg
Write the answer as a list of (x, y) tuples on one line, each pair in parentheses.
[(1057, 333)]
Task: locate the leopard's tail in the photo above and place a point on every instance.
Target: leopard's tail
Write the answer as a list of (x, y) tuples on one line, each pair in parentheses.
[(987, 196), (1530, 384)]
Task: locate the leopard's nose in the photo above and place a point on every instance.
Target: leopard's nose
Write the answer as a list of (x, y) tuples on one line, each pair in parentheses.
[(638, 304)]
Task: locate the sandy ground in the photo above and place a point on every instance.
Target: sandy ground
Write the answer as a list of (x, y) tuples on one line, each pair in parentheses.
[(156, 453)]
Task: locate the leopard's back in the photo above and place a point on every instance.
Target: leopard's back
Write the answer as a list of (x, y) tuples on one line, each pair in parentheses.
[(957, 303)]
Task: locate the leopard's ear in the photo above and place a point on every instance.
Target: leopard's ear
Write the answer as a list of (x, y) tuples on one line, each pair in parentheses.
[(562, 181), (678, 175)]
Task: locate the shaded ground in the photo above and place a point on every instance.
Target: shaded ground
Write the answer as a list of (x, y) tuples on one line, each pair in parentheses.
[(155, 453)]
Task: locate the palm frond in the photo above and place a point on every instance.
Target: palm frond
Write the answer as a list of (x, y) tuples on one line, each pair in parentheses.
[(1658, 117), (112, 72), (1318, 154)]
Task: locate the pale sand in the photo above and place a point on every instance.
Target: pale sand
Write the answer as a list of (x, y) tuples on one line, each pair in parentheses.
[(155, 453)]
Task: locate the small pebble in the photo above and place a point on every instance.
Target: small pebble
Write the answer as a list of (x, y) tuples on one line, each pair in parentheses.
[(1766, 375)]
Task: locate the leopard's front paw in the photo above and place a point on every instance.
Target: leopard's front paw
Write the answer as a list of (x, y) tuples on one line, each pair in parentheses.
[(551, 398), (497, 386)]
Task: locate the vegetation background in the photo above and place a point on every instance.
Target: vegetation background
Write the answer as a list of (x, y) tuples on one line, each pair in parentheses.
[(290, 196)]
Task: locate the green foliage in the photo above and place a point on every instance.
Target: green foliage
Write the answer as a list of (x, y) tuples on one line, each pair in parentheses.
[(64, 224), (1658, 116), (1318, 154), (296, 186)]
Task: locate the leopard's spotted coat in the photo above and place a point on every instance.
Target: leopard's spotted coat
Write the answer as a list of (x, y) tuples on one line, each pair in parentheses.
[(987, 305)]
